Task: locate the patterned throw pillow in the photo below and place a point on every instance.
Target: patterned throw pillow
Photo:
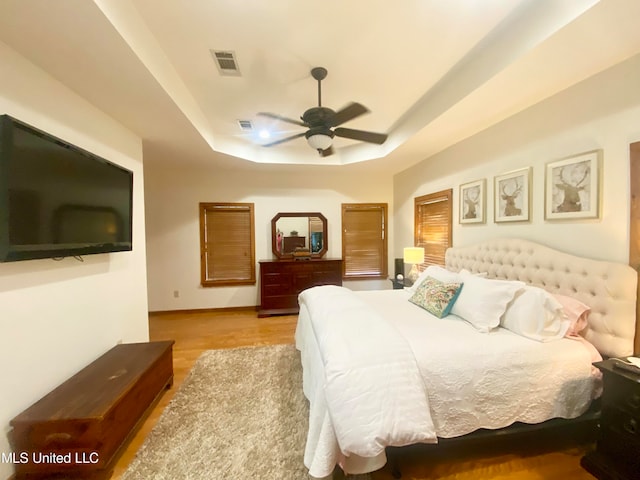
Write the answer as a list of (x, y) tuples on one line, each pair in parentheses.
[(436, 297)]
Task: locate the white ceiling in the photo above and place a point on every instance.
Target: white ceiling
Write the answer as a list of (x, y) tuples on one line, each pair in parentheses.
[(431, 72)]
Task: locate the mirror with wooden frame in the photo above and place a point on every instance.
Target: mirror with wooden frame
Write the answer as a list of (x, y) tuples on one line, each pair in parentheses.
[(298, 230)]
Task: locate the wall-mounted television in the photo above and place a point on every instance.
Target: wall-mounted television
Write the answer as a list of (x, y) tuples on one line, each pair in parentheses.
[(58, 200)]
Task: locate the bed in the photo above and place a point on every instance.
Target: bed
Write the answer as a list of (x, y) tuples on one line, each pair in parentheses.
[(381, 371)]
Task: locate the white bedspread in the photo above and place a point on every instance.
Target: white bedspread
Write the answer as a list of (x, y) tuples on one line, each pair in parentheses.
[(489, 380), (360, 351), (373, 389)]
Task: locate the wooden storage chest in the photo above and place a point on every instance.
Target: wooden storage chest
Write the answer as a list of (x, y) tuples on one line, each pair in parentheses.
[(79, 428)]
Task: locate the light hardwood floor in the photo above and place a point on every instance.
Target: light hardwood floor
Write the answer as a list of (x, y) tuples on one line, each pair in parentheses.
[(197, 332)]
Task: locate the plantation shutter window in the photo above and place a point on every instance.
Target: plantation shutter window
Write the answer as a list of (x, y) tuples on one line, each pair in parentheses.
[(364, 240), (227, 247), (432, 230)]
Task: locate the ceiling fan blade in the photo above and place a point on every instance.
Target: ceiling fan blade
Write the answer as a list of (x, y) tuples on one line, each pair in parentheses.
[(326, 152), (349, 112), (284, 119), (282, 140), (361, 135)]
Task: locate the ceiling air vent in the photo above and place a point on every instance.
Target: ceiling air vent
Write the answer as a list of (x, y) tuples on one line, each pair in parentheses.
[(226, 62), (245, 125)]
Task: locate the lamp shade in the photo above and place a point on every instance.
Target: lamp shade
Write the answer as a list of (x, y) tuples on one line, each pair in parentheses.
[(413, 255), (319, 141)]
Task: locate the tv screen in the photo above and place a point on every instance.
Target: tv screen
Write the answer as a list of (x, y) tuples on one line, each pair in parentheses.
[(58, 200)]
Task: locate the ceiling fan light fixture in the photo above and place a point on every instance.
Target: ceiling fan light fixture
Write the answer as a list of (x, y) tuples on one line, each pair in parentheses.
[(319, 141), (264, 133), (320, 120)]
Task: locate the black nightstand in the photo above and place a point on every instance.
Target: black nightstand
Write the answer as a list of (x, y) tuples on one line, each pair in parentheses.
[(399, 284), (617, 454)]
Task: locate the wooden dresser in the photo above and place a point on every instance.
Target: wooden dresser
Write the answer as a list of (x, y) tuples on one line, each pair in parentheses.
[(617, 455), (282, 280)]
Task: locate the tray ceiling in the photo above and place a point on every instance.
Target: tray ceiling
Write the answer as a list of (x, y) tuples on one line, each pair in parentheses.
[(431, 73)]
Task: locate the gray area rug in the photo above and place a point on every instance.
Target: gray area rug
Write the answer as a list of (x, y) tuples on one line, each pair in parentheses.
[(239, 414)]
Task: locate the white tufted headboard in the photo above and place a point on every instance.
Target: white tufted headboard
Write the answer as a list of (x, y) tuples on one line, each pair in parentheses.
[(608, 288)]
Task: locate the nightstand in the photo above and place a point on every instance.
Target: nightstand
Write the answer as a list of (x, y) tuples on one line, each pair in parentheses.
[(617, 454)]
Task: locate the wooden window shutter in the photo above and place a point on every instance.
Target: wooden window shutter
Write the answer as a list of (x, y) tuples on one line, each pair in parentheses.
[(227, 246), (432, 226), (364, 240)]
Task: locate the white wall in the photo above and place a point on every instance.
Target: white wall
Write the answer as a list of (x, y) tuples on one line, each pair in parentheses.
[(173, 241), (56, 317), (602, 112)]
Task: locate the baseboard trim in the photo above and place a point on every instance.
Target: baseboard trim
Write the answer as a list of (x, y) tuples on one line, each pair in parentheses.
[(250, 308)]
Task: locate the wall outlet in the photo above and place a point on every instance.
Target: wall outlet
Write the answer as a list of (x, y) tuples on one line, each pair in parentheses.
[(176, 294)]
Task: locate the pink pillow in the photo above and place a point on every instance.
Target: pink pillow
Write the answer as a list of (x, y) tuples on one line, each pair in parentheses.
[(577, 313)]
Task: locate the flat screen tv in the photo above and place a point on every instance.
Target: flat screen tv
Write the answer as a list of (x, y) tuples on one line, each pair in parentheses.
[(58, 200)]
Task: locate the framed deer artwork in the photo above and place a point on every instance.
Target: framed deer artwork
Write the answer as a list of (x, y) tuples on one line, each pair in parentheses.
[(572, 187), (512, 192), (472, 202)]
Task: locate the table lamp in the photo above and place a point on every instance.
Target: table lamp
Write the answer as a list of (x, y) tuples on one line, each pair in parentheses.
[(413, 256)]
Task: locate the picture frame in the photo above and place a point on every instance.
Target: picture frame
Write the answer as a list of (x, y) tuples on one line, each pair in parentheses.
[(512, 192), (572, 187), (473, 202)]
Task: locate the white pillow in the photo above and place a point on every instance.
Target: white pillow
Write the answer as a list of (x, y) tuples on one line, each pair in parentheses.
[(437, 272), (479, 274), (483, 301), (577, 313), (536, 314)]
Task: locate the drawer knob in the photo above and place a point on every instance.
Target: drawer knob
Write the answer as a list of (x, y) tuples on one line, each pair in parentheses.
[(631, 426), (634, 401)]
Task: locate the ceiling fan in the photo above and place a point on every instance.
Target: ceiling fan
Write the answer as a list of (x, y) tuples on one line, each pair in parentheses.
[(320, 122)]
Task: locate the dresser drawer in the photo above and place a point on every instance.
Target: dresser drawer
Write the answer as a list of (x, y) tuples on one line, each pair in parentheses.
[(622, 393), (279, 302), (328, 277), (281, 280), (269, 291), (271, 267), (622, 422), (622, 448)]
